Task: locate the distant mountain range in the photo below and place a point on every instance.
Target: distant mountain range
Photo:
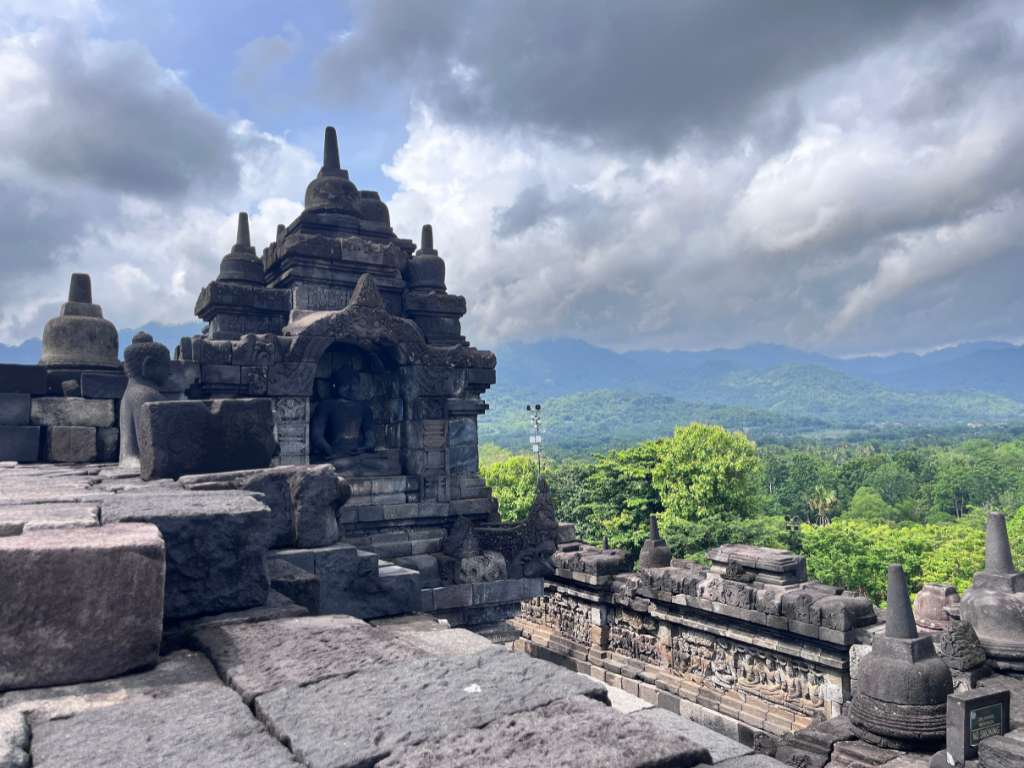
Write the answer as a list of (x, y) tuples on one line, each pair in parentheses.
[(595, 398), (30, 351)]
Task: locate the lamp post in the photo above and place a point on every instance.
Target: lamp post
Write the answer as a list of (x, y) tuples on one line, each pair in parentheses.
[(536, 440)]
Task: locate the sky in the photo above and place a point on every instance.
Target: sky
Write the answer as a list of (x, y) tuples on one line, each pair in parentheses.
[(673, 174)]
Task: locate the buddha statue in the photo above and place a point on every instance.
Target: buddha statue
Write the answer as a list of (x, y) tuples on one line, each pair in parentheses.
[(341, 425), (147, 364)]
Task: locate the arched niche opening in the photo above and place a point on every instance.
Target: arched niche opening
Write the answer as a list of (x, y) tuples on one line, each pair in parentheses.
[(357, 411)]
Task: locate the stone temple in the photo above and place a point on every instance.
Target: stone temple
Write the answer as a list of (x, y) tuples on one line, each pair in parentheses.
[(273, 547)]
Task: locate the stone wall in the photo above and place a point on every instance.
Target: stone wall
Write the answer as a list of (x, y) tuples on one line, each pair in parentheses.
[(65, 415), (749, 641)]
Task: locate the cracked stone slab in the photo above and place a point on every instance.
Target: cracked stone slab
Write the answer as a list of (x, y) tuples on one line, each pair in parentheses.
[(264, 656), (195, 726), (577, 731), (345, 722)]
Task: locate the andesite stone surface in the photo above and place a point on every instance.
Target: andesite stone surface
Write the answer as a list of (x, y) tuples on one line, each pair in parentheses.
[(79, 604), (216, 546), (15, 520), (207, 726), (576, 731), (406, 704), (265, 656), (191, 436), (304, 500)]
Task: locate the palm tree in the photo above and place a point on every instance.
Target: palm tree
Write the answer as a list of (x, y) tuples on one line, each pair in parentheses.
[(822, 503)]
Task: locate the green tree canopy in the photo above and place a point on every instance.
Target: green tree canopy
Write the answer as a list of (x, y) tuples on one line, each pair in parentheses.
[(709, 480)]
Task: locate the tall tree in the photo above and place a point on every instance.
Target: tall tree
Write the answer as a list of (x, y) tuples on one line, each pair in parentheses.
[(709, 480)]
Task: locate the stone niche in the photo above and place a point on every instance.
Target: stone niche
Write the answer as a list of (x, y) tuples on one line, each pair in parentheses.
[(356, 411)]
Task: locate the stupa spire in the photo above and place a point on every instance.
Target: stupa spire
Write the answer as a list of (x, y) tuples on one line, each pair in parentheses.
[(427, 239), (900, 622), (332, 160), (998, 558), (80, 290), (242, 238)]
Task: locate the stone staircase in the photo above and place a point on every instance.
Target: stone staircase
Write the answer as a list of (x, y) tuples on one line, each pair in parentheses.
[(344, 579)]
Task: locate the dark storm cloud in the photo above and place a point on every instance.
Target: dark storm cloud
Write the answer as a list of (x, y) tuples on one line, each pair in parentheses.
[(642, 75), (105, 115)]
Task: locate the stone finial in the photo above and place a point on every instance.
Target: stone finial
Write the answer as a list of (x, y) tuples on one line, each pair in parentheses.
[(900, 622), (655, 552), (79, 337), (366, 293), (332, 159), (427, 239), (242, 238), (604, 543), (998, 557), (80, 290)]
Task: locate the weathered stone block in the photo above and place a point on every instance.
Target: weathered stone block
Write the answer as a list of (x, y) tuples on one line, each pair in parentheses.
[(303, 500), (104, 386), (28, 379), (107, 443), (20, 443), (298, 584), (557, 734), (216, 547), (79, 604), (74, 445), (188, 726), (192, 436), (15, 408), (258, 658), (72, 412), (465, 692)]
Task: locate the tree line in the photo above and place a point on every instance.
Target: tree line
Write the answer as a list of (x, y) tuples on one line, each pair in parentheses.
[(850, 509)]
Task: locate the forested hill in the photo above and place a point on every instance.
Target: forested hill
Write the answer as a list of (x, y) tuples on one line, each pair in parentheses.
[(598, 399)]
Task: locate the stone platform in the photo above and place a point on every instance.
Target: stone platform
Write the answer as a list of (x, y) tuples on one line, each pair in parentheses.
[(336, 691)]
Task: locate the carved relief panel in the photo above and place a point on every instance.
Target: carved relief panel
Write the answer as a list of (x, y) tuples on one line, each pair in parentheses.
[(725, 665), (634, 636)]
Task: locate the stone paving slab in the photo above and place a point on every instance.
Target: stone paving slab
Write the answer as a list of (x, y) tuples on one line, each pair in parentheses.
[(721, 747), (177, 634), (15, 520), (182, 671), (577, 732), (264, 656), (353, 721), (200, 726), (446, 642), (79, 604)]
